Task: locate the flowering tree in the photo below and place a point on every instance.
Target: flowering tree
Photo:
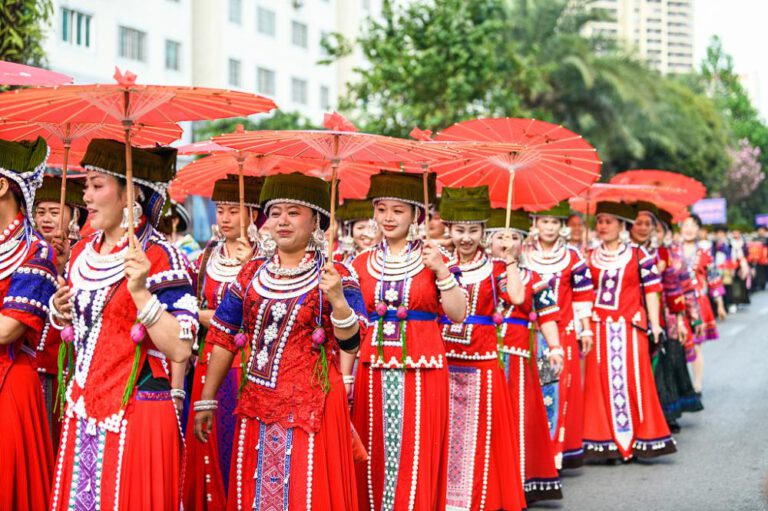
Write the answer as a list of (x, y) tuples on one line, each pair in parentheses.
[(745, 172)]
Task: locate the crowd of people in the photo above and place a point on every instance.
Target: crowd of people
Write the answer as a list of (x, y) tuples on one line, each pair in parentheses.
[(452, 357)]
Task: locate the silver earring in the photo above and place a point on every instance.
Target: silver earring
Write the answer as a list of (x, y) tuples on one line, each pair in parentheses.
[(317, 240), (216, 233), (253, 233), (136, 216), (74, 226), (534, 233), (624, 236), (268, 245), (413, 231), (565, 233)]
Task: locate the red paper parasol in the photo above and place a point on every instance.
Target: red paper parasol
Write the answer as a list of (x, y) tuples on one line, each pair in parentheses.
[(551, 165), (339, 143), (127, 103), (671, 186), (12, 73), (587, 201)]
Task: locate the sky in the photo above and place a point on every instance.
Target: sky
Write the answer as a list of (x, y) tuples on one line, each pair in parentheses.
[(741, 25)]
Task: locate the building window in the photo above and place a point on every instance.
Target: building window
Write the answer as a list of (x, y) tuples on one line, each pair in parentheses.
[(265, 81), (75, 28), (133, 44), (325, 97), (299, 91), (299, 34), (234, 73), (265, 22), (172, 55), (236, 11)]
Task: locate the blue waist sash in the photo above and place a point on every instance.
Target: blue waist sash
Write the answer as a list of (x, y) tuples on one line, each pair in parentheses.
[(413, 315), (484, 320)]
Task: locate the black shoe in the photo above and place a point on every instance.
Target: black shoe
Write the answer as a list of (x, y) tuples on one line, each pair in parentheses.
[(674, 427)]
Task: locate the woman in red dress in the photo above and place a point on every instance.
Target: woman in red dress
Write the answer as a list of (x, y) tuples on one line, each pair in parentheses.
[(554, 261), (708, 283), (538, 310), (401, 391), (482, 461), (46, 218), (131, 312), (27, 282), (622, 414), (206, 465), (302, 319)]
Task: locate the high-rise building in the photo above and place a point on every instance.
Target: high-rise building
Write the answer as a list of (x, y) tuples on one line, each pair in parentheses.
[(660, 31), (270, 47)]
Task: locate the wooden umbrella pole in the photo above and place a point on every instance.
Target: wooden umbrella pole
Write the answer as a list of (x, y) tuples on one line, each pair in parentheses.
[(332, 228), (425, 181), (129, 181), (586, 221), (509, 197), (62, 197), (241, 182)]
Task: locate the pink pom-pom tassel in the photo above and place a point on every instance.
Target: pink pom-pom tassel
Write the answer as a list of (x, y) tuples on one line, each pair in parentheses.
[(497, 318), (68, 334), (138, 332), (402, 312), (240, 339), (381, 309)]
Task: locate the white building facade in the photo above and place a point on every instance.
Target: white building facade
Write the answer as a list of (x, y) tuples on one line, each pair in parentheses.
[(270, 47)]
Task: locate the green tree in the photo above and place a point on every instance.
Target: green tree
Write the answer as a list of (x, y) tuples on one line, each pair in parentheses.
[(22, 30)]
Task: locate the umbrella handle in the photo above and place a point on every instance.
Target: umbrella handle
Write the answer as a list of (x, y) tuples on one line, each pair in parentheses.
[(129, 182), (62, 197), (332, 228), (241, 183), (425, 181), (509, 198)]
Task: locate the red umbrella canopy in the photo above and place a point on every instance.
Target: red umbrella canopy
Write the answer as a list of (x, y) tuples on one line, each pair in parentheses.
[(339, 142), (198, 177), (672, 186), (128, 101), (551, 164), (12, 73), (78, 135), (599, 192)]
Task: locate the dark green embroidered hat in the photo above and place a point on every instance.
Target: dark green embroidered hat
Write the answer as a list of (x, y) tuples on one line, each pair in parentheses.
[(620, 210), (561, 210), (23, 163), (647, 207), (665, 216), (465, 205), (518, 220), (51, 192), (402, 186), (298, 188), (227, 190), (354, 209), (154, 165)]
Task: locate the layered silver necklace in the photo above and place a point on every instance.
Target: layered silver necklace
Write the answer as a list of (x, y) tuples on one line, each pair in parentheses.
[(554, 261), (221, 268), (611, 259), (385, 266), (277, 283)]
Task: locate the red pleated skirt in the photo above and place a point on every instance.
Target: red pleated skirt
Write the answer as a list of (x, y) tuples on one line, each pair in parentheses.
[(568, 438), (622, 413), (708, 319), (537, 459), (138, 468), (204, 486), (274, 467), (26, 455), (402, 418), (482, 456)]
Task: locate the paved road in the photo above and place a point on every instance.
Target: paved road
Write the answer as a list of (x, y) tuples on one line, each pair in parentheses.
[(722, 458)]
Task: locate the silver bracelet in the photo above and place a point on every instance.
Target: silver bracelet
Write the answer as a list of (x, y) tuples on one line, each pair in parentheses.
[(587, 333), (178, 393), (149, 310), (447, 283), (349, 379), (347, 322), (205, 405), (557, 350)]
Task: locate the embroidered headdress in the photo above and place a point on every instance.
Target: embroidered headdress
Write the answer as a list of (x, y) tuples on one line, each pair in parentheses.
[(23, 164), (465, 205), (297, 188)]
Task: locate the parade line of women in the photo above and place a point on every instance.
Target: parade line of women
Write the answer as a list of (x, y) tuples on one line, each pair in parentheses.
[(461, 365)]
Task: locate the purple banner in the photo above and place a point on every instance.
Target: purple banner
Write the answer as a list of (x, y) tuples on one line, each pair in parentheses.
[(711, 211), (761, 220)]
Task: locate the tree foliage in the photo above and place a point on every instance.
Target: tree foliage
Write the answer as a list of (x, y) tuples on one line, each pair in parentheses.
[(433, 63), (22, 30)]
